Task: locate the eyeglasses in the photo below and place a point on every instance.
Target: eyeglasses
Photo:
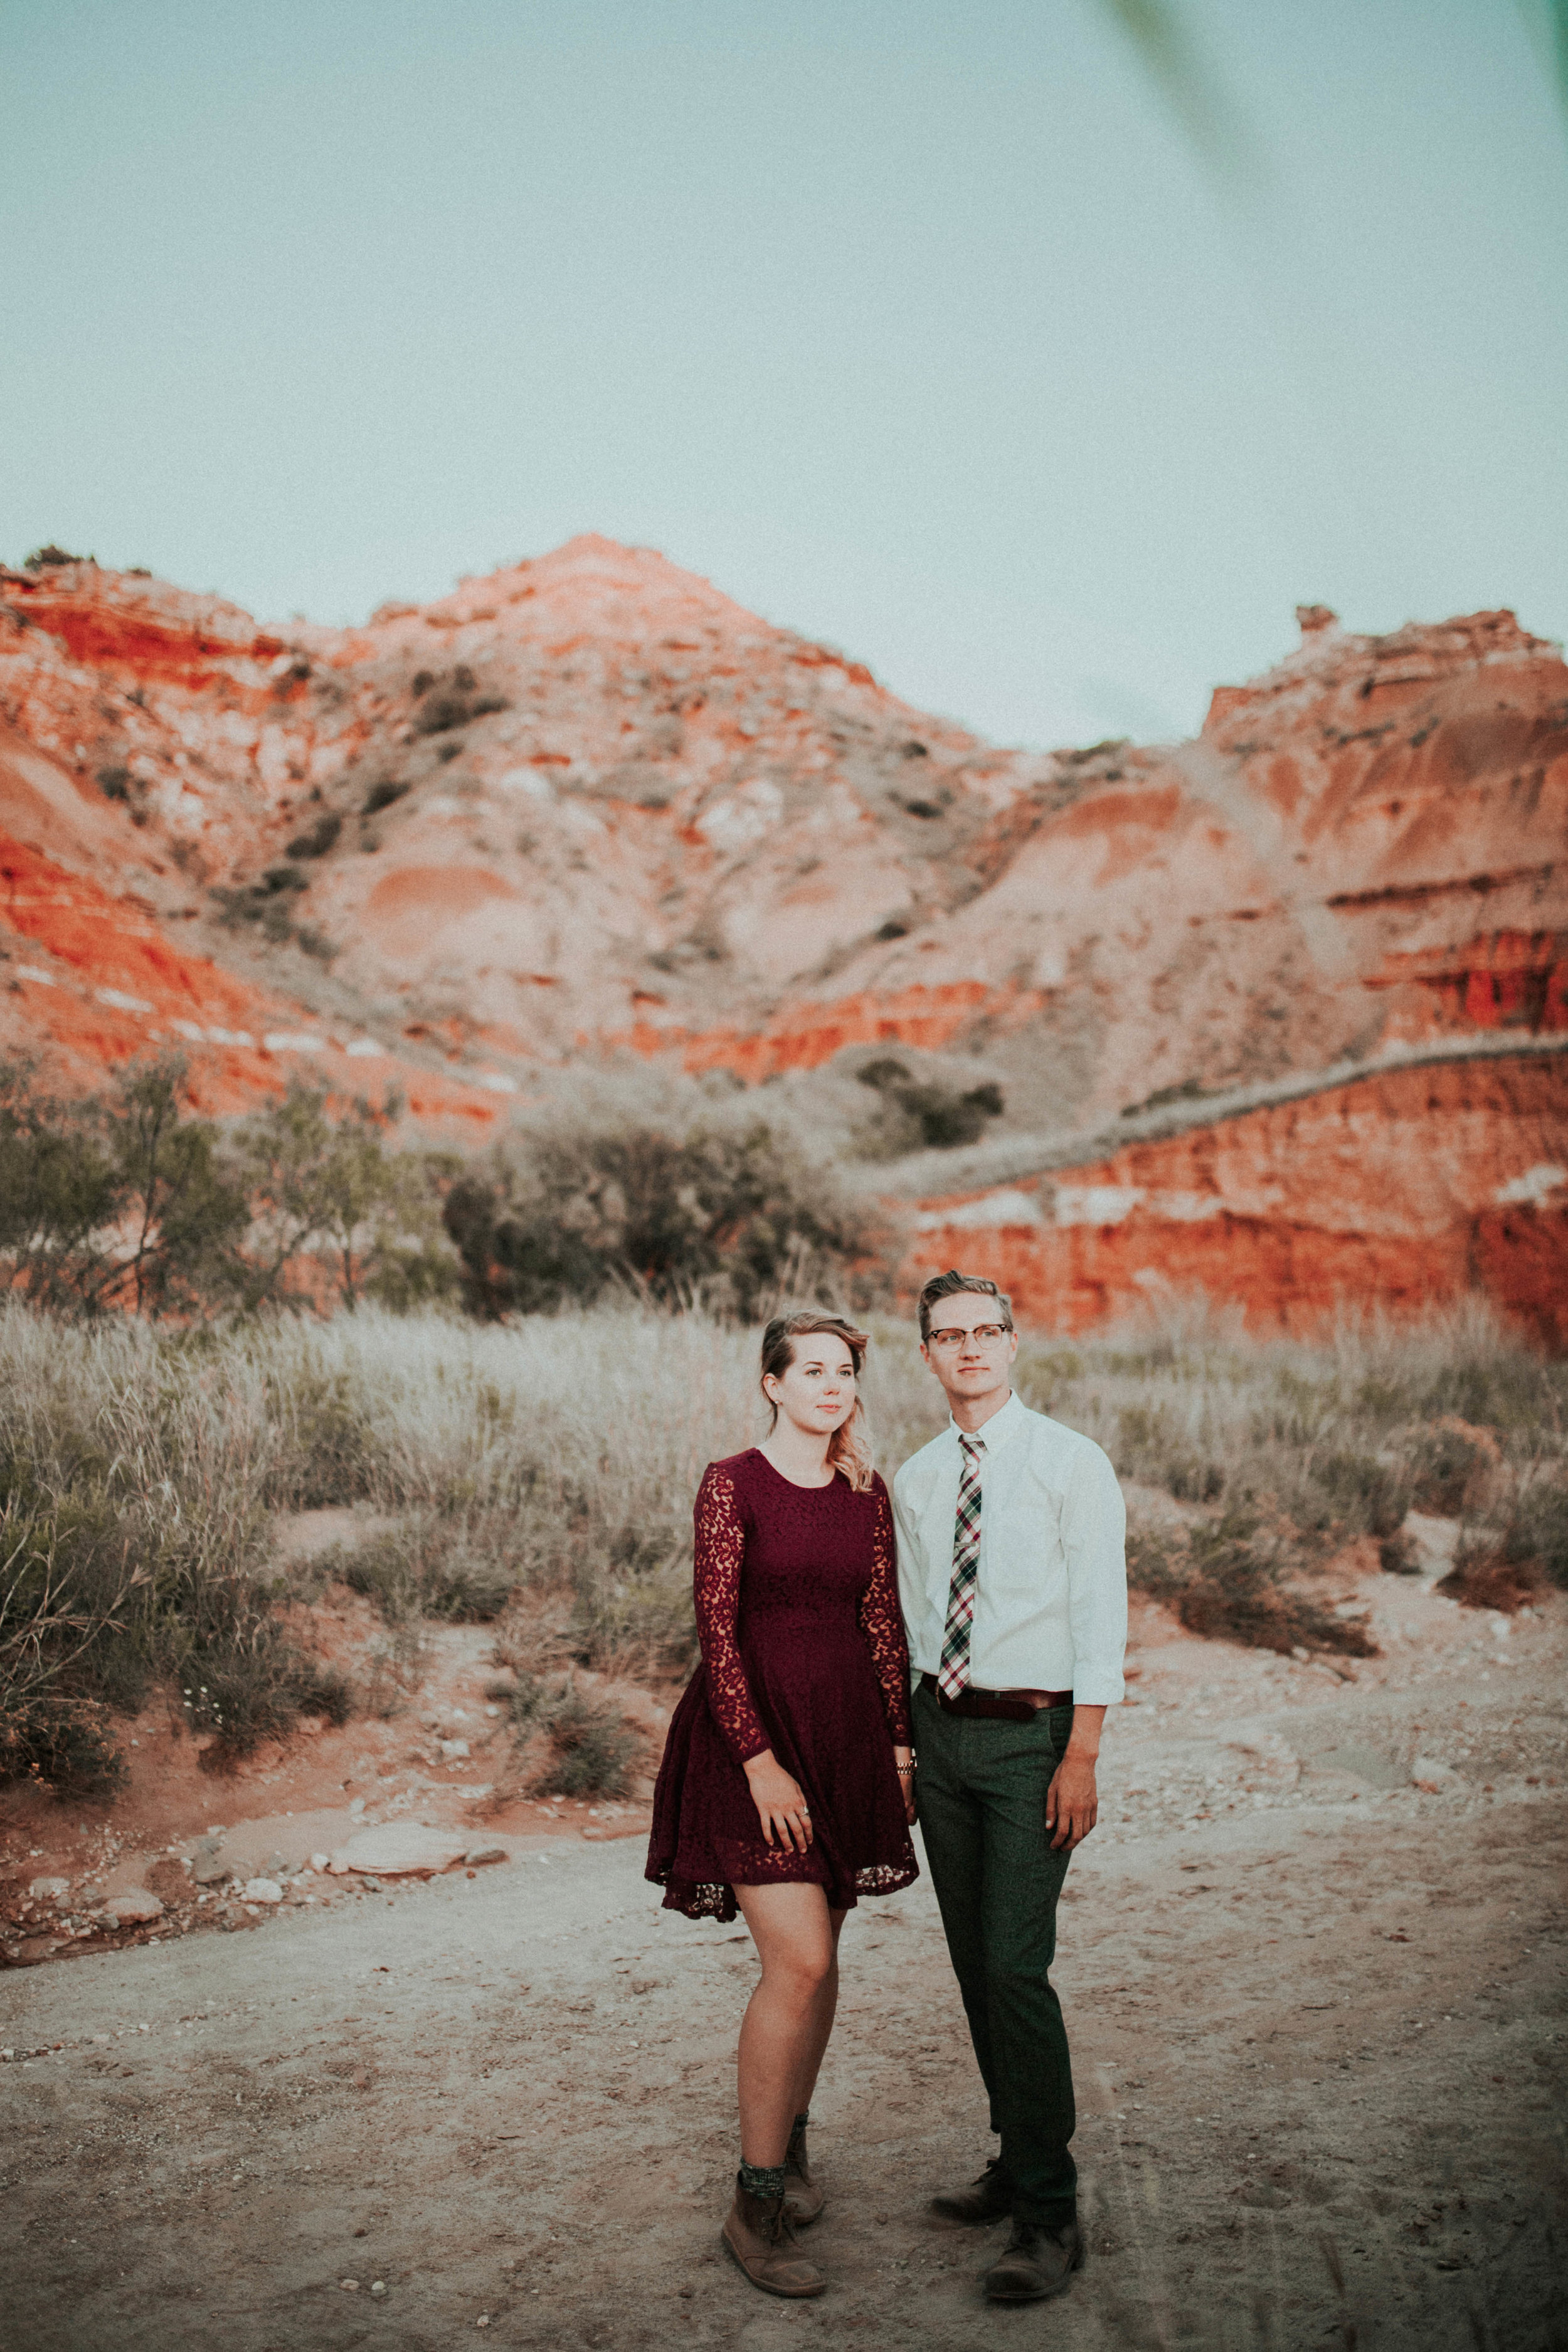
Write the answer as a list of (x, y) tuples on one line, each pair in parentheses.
[(984, 1334)]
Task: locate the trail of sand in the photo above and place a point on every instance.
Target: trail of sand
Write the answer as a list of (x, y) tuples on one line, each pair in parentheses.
[(1319, 2040)]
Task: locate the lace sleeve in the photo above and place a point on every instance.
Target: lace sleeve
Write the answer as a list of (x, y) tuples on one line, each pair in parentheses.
[(882, 1623), (719, 1549)]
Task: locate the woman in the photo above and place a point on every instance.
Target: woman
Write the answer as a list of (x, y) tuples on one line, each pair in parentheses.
[(787, 1782)]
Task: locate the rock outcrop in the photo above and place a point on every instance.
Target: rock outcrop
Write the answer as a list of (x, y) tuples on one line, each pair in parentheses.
[(590, 806)]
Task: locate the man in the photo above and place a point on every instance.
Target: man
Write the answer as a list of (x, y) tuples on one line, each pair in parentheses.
[(1013, 1578)]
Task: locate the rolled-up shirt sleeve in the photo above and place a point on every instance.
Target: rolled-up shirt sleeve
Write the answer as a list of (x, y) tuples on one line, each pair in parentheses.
[(1094, 1536)]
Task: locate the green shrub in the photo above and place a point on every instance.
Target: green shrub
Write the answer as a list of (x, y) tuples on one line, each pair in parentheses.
[(1152, 1447), (1446, 1464), (254, 1686), (317, 839), (384, 792), (118, 1201), (590, 1750), (585, 1748), (1240, 1586), (1234, 1578), (921, 1113), (1362, 1496), (436, 1571), (726, 1217), (62, 1743), (1536, 1526)]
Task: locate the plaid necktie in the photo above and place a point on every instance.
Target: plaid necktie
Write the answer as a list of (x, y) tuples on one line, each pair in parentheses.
[(955, 1672)]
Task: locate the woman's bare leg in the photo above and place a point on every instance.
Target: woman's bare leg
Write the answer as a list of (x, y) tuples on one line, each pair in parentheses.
[(821, 2023), (789, 2016)]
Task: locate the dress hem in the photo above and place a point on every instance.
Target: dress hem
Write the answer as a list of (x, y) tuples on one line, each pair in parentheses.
[(696, 1899)]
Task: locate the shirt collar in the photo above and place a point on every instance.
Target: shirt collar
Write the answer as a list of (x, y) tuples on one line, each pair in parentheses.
[(999, 1429)]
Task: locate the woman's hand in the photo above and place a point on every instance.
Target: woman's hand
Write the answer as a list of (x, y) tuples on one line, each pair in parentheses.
[(904, 1758), (780, 1805)]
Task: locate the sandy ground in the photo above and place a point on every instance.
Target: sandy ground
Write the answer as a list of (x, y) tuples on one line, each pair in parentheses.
[(1316, 2010)]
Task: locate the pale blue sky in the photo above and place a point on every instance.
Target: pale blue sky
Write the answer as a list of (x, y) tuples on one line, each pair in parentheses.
[(916, 327)]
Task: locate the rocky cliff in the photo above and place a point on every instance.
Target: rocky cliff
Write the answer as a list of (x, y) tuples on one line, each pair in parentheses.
[(588, 806)]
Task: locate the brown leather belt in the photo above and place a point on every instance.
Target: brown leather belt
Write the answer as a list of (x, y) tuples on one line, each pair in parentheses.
[(1008, 1707)]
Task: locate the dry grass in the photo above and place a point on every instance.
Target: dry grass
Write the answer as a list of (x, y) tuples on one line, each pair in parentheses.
[(557, 1458)]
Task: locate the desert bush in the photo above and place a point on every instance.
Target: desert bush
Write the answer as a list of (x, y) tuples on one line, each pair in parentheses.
[(1363, 1493), (923, 1114), (1241, 1583), (1239, 1577), (383, 792), (1510, 1556), (67, 1574), (579, 1745), (319, 838), (1449, 1467), (1164, 1448), (726, 1217), (431, 1569), (590, 1751)]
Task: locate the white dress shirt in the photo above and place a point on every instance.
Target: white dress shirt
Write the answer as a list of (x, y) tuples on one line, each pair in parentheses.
[(1050, 1603)]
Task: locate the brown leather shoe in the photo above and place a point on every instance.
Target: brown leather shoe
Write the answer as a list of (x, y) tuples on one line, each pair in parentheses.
[(803, 2201), (760, 2236), (1037, 2263), (986, 2199)]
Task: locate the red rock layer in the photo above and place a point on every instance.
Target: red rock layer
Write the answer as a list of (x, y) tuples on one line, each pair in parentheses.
[(1406, 1189)]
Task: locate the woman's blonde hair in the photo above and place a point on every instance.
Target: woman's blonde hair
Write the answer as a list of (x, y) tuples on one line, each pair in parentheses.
[(849, 1449)]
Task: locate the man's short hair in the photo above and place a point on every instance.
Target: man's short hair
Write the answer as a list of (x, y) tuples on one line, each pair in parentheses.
[(948, 1285)]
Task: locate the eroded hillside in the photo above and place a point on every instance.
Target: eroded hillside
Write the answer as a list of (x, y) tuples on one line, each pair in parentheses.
[(590, 804)]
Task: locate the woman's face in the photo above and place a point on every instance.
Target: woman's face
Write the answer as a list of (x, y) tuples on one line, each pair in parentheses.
[(817, 1391)]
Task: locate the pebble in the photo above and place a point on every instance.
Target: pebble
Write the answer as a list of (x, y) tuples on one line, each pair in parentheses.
[(133, 1908), (50, 1890), (262, 1890), (451, 1747), (207, 1865)]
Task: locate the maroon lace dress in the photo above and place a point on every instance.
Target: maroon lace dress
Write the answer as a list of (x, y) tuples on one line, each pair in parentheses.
[(803, 1652)]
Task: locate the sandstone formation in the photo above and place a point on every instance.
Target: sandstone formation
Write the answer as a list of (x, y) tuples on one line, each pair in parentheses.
[(590, 806), (1383, 1188)]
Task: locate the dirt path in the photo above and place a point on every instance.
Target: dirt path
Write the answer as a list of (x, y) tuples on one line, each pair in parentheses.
[(1318, 2032)]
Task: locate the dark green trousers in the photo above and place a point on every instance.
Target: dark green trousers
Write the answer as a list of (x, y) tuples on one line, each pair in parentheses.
[(982, 1788)]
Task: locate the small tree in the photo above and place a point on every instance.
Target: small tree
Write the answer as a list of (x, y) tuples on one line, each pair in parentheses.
[(112, 1203), (331, 1191), (57, 1197), (179, 1214)]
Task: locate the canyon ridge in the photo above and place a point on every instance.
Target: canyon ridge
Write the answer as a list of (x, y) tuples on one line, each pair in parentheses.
[(1278, 1015)]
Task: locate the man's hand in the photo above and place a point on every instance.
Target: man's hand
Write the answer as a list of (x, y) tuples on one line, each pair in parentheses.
[(1072, 1801)]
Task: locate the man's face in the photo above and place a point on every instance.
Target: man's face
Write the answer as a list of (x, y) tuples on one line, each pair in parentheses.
[(969, 1350)]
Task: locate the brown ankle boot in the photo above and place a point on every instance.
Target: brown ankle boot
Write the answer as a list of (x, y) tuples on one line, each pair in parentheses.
[(761, 2237), (986, 2199), (803, 2201)]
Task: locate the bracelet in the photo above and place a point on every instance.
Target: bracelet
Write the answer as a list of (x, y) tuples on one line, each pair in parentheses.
[(902, 1769)]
